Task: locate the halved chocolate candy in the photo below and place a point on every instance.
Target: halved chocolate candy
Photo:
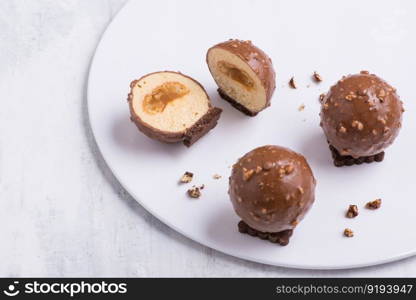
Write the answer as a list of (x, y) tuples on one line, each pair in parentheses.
[(244, 75), (171, 107)]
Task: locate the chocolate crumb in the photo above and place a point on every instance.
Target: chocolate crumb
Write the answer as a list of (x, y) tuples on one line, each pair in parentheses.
[(187, 177), (348, 232), (373, 204), (216, 176), (195, 192), (292, 83), (352, 211), (317, 77)]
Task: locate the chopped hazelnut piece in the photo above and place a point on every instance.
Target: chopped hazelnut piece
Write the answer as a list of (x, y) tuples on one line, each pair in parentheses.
[(247, 174), (342, 129), (195, 192), (317, 77), (348, 232), (373, 204), (357, 124), (187, 177), (216, 176), (352, 211), (321, 97), (301, 107), (292, 83)]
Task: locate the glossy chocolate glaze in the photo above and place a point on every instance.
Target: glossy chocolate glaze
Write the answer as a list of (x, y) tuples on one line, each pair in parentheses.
[(361, 115), (272, 188)]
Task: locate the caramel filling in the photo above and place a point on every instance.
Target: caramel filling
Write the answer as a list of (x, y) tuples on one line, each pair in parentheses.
[(236, 74), (162, 95)]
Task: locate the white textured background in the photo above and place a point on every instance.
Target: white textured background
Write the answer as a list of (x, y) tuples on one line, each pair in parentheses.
[(62, 213)]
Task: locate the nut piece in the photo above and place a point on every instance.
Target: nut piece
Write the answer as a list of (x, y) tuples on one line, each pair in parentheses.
[(195, 192), (292, 83), (187, 177), (321, 97), (317, 77), (301, 107), (348, 232), (373, 204), (216, 176), (352, 211)]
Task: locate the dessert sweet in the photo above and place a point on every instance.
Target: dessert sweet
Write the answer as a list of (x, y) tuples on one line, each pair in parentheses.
[(361, 116), (244, 75), (171, 107), (271, 189)]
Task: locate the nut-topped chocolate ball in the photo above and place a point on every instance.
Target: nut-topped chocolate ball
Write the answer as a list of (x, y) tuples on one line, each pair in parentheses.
[(361, 116), (271, 189)]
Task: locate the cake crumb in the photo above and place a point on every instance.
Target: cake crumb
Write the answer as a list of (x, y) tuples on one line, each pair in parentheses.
[(352, 211), (301, 107), (373, 204), (195, 192), (317, 77), (348, 232), (292, 83), (187, 177), (216, 176)]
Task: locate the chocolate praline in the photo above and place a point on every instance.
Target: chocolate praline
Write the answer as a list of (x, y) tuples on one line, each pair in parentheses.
[(361, 115), (272, 188)]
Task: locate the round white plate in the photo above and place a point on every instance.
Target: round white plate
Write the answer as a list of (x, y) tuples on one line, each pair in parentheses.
[(332, 37)]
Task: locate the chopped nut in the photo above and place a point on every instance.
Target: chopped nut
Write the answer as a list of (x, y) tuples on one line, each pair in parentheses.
[(195, 192), (258, 169), (216, 176), (289, 169), (321, 97), (357, 124), (350, 97), (247, 174), (317, 77), (301, 107), (373, 204), (352, 211), (342, 129), (292, 83), (381, 93), (348, 232), (187, 177), (268, 165)]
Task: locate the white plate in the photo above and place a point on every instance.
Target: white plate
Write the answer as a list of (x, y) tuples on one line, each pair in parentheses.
[(332, 37)]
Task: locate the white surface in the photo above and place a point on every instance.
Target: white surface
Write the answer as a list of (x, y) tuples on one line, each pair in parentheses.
[(150, 170), (62, 213)]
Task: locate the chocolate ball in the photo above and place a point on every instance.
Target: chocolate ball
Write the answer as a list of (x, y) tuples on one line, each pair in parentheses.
[(272, 188), (361, 115)]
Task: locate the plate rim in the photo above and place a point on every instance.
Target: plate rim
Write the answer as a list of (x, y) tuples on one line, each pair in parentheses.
[(91, 73)]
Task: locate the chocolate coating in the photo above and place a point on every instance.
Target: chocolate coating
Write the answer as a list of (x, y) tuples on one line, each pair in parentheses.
[(272, 188), (361, 115)]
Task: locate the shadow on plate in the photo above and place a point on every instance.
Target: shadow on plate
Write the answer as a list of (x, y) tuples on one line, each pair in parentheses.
[(128, 137), (315, 149)]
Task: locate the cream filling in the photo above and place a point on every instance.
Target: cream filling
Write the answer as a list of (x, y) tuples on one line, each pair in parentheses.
[(190, 102), (247, 89)]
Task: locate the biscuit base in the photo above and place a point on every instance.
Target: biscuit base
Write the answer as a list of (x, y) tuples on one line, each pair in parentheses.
[(340, 160), (281, 238), (200, 128), (235, 104)]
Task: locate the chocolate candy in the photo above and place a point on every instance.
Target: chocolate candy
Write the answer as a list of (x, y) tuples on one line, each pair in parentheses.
[(361, 115), (272, 188)]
